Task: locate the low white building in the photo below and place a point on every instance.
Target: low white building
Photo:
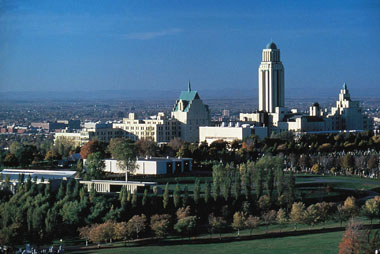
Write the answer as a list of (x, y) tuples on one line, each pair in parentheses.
[(230, 132), (152, 166), (107, 186)]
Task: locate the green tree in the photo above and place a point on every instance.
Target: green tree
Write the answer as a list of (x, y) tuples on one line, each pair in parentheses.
[(197, 191), (270, 183), (208, 192), (280, 182), (186, 225), (165, 198), (371, 208), (237, 185), (134, 199), (95, 166), (124, 151), (217, 178), (177, 196), (145, 199)]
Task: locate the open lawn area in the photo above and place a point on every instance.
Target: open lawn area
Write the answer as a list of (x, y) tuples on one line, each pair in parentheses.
[(313, 243)]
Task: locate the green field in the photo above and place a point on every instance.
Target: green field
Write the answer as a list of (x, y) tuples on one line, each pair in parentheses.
[(315, 243)]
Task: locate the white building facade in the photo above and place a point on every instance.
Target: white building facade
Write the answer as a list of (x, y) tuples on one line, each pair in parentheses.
[(190, 111), (271, 80)]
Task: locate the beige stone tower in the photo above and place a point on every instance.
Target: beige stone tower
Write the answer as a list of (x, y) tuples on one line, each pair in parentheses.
[(271, 80)]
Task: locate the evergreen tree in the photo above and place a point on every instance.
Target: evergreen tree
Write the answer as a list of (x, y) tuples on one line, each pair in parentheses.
[(270, 183), (61, 191), (165, 198), (177, 196), (197, 191), (145, 199), (259, 182), (280, 182), (185, 196), (208, 193), (291, 189), (134, 199), (237, 185)]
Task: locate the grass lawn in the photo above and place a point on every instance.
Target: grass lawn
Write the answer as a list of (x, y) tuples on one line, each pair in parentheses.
[(314, 243)]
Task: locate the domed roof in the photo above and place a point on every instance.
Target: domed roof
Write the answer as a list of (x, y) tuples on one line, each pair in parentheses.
[(315, 104), (271, 45)]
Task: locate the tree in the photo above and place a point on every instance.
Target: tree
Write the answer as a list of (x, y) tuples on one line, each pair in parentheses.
[(237, 185), (281, 217), (259, 182), (264, 203), (160, 224), (245, 170), (217, 224), (92, 146), (373, 161), (183, 212), (291, 195), (352, 240), (124, 151), (252, 222), (177, 196), (311, 215), (137, 224), (297, 213), (270, 183), (197, 191), (324, 210), (269, 217), (165, 198), (186, 225), (95, 166), (350, 207), (176, 143), (84, 233), (349, 162), (217, 179), (315, 168), (122, 231), (208, 192), (280, 182), (146, 147), (371, 209), (134, 199), (102, 232), (238, 221), (63, 146), (185, 200)]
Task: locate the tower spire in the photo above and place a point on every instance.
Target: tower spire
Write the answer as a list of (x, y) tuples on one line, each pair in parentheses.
[(189, 86)]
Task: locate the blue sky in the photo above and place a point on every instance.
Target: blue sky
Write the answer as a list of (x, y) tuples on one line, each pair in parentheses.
[(76, 45)]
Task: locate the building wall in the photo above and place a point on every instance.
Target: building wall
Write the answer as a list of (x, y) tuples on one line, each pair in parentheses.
[(271, 81), (148, 166), (229, 134), (190, 120)]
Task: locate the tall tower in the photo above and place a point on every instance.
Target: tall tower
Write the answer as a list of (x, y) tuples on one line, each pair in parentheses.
[(271, 80)]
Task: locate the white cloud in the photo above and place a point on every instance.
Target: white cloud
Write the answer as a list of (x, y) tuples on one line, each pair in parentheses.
[(152, 35)]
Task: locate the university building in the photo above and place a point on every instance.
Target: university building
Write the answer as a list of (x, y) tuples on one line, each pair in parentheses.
[(272, 113)]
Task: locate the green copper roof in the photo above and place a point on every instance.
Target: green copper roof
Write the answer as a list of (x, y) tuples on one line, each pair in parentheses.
[(188, 95), (271, 45), (344, 86)]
